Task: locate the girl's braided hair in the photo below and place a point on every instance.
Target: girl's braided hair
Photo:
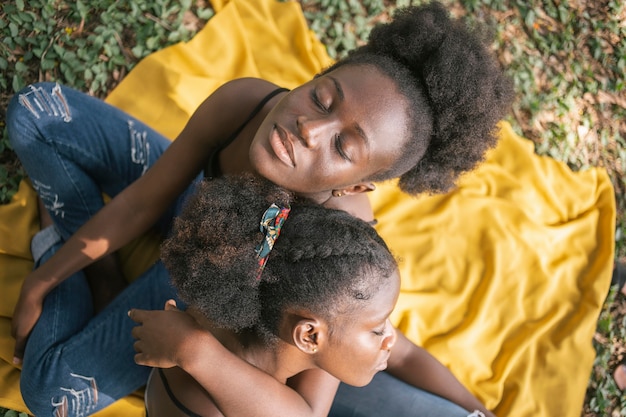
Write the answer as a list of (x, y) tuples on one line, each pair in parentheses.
[(455, 90), (325, 261)]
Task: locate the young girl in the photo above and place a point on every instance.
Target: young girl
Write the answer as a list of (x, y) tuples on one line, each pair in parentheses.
[(419, 102), (313, 288)]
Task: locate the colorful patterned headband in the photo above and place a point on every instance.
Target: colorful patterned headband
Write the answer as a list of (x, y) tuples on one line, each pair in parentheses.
[(271, 223)]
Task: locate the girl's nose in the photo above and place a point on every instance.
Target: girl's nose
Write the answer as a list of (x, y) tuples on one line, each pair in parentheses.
[(390, 339)]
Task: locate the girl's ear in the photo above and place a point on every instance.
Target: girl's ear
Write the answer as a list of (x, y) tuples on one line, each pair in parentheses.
[(309, 334)]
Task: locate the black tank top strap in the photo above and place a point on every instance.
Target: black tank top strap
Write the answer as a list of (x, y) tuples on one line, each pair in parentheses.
[(212, 168), (173, 398)]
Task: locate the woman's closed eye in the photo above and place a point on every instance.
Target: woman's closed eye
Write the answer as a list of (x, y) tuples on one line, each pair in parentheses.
[(318, 102), (339, 145), (338, 139)]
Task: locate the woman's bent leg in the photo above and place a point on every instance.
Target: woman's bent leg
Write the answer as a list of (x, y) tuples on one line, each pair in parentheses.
[(75, 147), (77, 364), (388, 396)]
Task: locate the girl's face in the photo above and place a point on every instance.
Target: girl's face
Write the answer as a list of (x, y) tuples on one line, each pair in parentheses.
[(360, 343), (335, 131)]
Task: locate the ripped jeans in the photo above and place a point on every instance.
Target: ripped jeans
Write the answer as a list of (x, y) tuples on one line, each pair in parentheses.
[(76, 363), (75, 147)]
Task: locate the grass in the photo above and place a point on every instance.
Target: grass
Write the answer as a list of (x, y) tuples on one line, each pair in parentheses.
[(567, 60)]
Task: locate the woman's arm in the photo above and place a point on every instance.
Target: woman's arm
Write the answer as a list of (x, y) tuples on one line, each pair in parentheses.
[(415, 366), (134, 210), (238, 388)]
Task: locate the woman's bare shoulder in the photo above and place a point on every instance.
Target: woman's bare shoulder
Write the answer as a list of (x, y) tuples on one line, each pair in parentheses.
[(226, 107), (234, 100), (241, 90)]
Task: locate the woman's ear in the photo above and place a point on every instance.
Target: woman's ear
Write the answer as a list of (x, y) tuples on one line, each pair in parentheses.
[(309, 334), (363, 187)]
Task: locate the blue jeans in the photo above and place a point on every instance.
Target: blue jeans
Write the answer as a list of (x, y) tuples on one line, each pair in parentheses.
[(75, 148), (79, 362), (388, 396)]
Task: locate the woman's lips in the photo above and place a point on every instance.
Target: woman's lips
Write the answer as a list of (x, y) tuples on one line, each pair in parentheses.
[(281, 146)]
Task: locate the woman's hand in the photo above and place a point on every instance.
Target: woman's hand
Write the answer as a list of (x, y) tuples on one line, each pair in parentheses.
[(162, 335), (27, 311)]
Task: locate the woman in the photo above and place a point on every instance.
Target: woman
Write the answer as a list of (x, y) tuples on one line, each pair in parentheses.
[(423, 80)]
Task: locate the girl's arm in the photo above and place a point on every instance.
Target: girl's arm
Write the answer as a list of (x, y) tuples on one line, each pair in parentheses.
[(173, 338), (196, 351), (415, 366), (134, 210)]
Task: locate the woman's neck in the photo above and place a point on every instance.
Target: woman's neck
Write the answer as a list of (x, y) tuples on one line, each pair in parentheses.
[(235, 158)]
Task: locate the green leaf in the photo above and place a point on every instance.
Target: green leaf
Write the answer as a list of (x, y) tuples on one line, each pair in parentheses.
[(18, 83), (83, 11), (138, 51), (14, 29), (21, 67), (59, 50), (9, 9), (47, 64), (151, 43), (26, 17)]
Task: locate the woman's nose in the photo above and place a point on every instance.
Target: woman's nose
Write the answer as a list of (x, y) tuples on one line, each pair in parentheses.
[(310, 130)]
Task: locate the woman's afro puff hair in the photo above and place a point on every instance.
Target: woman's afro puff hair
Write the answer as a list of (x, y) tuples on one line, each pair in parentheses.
[(455, 89)]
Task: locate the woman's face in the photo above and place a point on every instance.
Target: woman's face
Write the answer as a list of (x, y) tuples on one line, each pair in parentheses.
[(360, 343), (335, 131)]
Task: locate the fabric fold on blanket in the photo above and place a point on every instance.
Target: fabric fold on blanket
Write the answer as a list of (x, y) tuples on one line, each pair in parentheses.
[(502, 279)]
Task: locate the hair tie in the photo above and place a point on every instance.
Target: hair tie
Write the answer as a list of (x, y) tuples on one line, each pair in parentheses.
[(271, 223)]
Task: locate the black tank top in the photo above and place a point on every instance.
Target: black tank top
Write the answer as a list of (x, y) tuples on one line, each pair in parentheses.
[(212, 169)]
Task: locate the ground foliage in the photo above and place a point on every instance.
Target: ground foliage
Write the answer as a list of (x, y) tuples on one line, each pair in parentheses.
[(567, 60)]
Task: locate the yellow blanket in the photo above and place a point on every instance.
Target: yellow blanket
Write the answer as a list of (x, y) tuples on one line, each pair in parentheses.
[(503, 279)]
